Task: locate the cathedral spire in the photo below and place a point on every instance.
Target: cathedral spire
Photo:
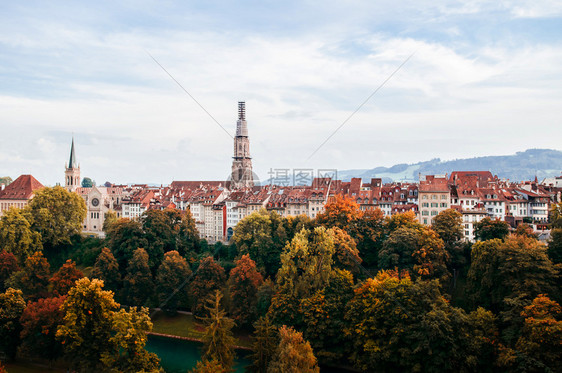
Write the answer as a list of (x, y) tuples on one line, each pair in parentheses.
[(242, 175), (72, 171)]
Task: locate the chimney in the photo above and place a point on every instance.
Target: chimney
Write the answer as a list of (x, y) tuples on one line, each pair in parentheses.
[(2, 186)]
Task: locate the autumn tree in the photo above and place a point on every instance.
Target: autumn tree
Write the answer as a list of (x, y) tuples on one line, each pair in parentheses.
[(106, 269), (555, 215), (87, 324), (65, 278), (171, 274), (33, 279), (541, 337), (210, 276), (218, 340), (129, 338), (264, 344), (12, 306), (342, 212), (57, 215), (8, 265), (306, 267), (524, 229), (16, 235), (448, 225), (244, 283), (399, 325), (487, 229), (209, 366), (346, 255), (138, 286), (40, 321), (293, 354), (124, 236)]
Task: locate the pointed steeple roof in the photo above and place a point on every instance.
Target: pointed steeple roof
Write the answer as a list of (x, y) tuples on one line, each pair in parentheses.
[(72, 162)]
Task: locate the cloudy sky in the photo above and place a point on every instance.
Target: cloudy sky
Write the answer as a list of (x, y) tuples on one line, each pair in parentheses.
[(485, 79)]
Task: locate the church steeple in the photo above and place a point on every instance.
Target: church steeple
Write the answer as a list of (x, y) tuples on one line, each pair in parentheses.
[(72, 161), (242, 175), (72, 171)]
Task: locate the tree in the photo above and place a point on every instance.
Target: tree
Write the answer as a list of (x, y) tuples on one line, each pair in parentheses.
[(87, 324), (542, 333), (487, 229), (124, 236), (16, 235), (107, 270), (138, 286), (12, 306), (129, 337), (524, 229), (209, 366), (6, 180), (368, 232), (342, 212), (306, 268), (418, 250), (555, 215), (40, 321), (87, 182), (57, 215), (264, 343), (293, 354), (555, 246), (398, 325), (33, 279), (346, 253), (8, 265), (173, 271), (508, 269), (218, 341), (448, 225), (65, 278), (210, 276), (262, 235), (244, 283)]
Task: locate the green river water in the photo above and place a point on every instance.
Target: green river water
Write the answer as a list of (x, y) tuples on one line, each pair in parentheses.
[(179, 356)]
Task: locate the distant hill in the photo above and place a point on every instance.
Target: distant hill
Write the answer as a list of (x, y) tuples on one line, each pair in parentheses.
[(520, 166)]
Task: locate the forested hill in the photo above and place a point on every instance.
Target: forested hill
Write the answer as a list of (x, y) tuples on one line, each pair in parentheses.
[(520, 166)]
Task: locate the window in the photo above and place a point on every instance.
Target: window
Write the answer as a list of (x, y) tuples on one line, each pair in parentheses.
[(443, 196), (433, 213), (433, 196), (434, 204), (425, 204), (443, 204), (424, 197)]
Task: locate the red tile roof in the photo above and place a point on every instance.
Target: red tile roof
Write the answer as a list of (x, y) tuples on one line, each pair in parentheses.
[(21, 188)]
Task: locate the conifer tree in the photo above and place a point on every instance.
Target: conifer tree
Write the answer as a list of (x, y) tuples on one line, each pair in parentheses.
[(173, 271), (265, 342), (210, 277), (218, 341)]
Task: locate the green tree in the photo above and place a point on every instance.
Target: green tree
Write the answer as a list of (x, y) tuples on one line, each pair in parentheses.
[(87, 324), (293, 354), (40, 321), (264, 344), (65, 278), (129, 337), (8, 266), (506, 269), (244, 283), (87, 182), (262, 235), (448, 225), (57, 215), (170, 275), (346, 253), (555, 246), (487, 229), (6, 180), (33, 279), (218, 341), (210, 276), (12, 306), (418, 250), (555, 215), (124, 236), (138, 286), (107, 270), (16, 236)]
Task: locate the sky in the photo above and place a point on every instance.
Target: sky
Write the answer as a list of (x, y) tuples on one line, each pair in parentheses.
[(483, 78)]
